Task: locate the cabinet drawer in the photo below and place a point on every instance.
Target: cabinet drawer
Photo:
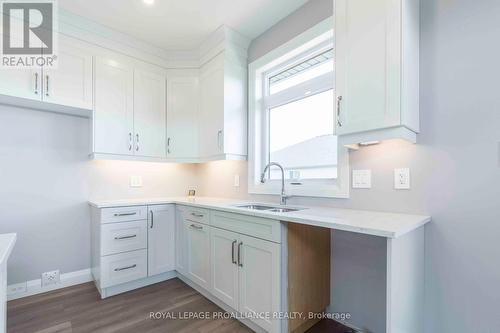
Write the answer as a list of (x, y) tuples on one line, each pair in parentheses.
[(193, 214), (124, 267), (123, 237), (248, 225), (122, 214)]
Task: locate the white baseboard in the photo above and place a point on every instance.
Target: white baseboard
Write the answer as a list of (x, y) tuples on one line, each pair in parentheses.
[(34, 287)]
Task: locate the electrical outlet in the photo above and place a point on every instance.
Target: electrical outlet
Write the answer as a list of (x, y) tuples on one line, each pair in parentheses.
[(135, 181), (402, 179), (51, 277), (16, 288), (361, 179)]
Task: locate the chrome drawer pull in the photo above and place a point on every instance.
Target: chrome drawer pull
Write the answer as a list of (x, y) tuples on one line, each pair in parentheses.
[(197, 215), (232, 252), (240, 263), (125, 237), (124, 268), (125, 214), (197, 227)]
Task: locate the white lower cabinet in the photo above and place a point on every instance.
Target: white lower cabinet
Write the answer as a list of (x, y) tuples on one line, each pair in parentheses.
[(123, 267), (132, 247), (225, 284), (245, 272), (161, 239), (246, 275), (180, 244), (198, 253), (259, 280), (224, 254)]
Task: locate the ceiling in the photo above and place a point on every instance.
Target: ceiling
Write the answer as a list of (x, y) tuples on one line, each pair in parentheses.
[(182, 24)]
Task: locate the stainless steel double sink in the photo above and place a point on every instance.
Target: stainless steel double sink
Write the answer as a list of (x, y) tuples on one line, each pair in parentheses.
[(273, 209)]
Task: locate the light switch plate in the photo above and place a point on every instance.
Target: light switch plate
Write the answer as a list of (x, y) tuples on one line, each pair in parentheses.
[(361, 179), (135, 181), (402, 179), (236, 180)]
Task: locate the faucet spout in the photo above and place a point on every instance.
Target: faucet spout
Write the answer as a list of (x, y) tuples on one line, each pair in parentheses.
[(283, 195)]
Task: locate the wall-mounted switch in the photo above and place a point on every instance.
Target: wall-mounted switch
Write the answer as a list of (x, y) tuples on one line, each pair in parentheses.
[(361, 179), (402, 179), (236, 180), (135, 181)]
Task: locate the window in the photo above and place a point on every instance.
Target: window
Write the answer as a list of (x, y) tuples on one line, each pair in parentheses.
[(292, 118), (299, 105)]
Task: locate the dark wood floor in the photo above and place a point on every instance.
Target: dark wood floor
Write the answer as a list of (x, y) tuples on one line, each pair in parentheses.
[(80, 309)]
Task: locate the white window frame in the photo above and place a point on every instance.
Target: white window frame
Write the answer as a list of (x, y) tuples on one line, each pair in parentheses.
[(316, 38)]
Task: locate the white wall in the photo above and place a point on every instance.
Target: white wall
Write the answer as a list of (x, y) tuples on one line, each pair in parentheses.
[(46, 180)]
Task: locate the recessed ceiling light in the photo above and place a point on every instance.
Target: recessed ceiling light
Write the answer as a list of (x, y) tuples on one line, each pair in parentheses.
[(149, 2)]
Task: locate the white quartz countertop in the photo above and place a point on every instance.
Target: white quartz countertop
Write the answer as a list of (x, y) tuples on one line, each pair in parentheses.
[(390, 225), (7, 242)]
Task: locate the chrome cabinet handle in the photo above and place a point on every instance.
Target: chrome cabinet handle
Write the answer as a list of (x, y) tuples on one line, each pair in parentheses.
[(232, 252), (152, 219), (124, 268), (36, 83), (129, 141), (125, 237), (197, 227), (168, 146), (197, 215), (240, 263), (47, 85), (124, 214), (136, 142), (339, 100)]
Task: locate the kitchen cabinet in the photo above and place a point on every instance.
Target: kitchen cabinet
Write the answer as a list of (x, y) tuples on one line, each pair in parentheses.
[(114, 108), (246, 269), (198, 253), (181, 242), (132, 247), (149, 113), (130, 108), (22, 83), (225, 269), (259, 279), (67, 85), (377, 69), (223, 108), (70, 83), (182, 115), (161, 239)]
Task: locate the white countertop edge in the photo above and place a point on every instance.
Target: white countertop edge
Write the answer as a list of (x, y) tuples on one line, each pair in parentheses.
[(7, 242), (313, 220)]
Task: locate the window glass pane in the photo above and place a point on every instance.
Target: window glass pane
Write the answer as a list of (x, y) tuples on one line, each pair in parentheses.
[(307, 70), (301, 138)]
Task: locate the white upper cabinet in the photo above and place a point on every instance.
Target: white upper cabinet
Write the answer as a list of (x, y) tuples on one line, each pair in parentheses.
[(223, 98), (67, 84), (182, 115), (114, 109), (23, 83), (149, 113), (130, 108), (70, 83), (18, 82), (377, 68)]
